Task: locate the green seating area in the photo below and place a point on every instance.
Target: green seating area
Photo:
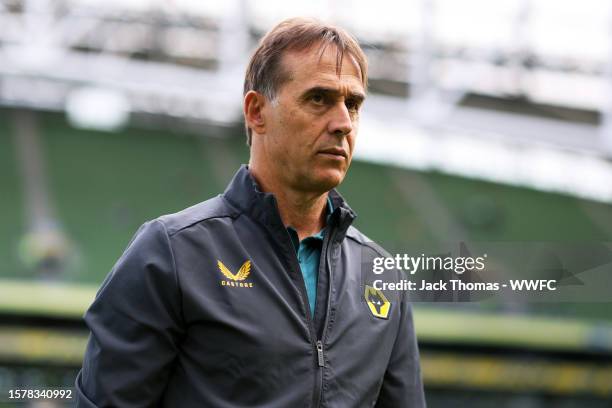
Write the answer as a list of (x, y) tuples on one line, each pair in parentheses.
[(102, 186)]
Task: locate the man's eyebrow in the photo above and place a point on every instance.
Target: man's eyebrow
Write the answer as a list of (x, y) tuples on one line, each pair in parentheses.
[(358, 96)]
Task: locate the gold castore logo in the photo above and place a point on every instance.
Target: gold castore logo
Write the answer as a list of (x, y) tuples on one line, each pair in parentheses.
[(236, 279), (377, 302)]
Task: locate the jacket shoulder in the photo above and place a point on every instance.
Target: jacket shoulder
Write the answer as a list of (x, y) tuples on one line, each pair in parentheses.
[(215, 207), (361, 239)]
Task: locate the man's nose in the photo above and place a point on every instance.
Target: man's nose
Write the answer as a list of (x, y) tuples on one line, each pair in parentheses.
[(341, 122)]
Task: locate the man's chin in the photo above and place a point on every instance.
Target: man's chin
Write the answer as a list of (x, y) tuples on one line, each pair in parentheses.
[(327, 180)]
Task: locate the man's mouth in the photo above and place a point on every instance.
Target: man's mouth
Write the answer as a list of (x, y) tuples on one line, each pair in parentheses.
[(336, 152)]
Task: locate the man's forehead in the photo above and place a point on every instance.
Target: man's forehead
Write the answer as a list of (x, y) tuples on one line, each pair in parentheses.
[(321, 63)]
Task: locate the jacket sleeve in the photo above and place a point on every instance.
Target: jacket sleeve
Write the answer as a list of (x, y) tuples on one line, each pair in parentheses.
[(135, 323), (402, 385)]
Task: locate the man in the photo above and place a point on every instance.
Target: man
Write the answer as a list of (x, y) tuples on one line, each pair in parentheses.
[(255, 298)]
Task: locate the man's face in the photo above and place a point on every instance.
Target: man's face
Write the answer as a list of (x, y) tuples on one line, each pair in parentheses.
[(312, 124)]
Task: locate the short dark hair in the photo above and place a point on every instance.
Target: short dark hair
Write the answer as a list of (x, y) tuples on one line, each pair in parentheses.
[(264, 73)]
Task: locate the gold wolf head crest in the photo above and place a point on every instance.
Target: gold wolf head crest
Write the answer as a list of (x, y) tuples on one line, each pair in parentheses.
[(377, 302), (242, 273)]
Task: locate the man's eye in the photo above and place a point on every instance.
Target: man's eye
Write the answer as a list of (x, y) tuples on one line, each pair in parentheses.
[(352, 106), (317, 99)]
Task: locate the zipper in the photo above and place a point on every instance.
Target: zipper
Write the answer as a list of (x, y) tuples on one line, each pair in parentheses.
[(327, 243), (314, 340), (320, 353), (316, 343), (318, 391)]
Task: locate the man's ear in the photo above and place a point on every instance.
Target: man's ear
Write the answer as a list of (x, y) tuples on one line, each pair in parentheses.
[(254, 103)]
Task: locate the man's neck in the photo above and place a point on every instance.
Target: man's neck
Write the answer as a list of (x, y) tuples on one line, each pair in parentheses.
[(303, 211)]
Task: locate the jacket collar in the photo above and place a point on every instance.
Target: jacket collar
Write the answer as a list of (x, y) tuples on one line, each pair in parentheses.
[(244, 194)]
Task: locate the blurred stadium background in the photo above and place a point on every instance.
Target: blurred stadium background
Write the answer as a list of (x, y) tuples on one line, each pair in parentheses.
[(486, 121)]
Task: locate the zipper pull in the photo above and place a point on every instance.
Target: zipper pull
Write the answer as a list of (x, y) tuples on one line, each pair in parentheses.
[(320, 353)]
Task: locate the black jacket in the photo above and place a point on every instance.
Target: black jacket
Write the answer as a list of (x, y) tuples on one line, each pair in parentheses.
[(207, 308)]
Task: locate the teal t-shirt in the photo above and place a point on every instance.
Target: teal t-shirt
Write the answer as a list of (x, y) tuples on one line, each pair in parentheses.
[(308, 252)]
